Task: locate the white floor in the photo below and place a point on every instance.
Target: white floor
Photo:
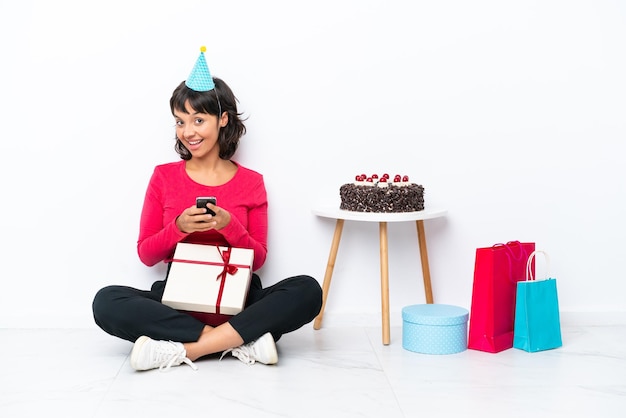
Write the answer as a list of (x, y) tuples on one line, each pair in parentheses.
[(340, 370)]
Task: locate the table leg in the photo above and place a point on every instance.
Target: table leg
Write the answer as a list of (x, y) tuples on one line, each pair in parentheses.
[(421, 237), (329, 271), (384, 281)]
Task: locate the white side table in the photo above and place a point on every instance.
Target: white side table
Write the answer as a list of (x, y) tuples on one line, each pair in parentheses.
[(382, 219)]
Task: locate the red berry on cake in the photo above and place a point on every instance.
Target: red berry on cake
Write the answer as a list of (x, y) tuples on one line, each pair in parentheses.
[(374, 176), (397, 178), (383, 179), (405, 179), (370, 179), (385, 176)]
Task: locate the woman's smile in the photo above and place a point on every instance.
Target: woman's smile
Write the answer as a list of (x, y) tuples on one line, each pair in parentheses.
[(196, 142)]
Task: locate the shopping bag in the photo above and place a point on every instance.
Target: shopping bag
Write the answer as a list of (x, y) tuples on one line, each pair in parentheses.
[(497, 269), (537, 319)]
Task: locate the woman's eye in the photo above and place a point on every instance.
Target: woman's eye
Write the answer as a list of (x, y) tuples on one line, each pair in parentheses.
[(179, 123), (199, 121)]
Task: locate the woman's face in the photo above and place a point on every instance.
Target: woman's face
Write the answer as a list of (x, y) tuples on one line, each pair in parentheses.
[(198, 131)]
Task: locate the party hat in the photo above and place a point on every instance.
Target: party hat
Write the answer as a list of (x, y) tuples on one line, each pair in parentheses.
[(200, 78)]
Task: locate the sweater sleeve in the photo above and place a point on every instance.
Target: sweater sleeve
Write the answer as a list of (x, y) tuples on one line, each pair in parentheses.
[(255, 237), (156, 241)]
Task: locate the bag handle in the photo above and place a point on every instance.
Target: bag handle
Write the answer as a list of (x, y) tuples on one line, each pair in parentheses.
[(509, 253), (509, 247), (529, 273), (511, 244)]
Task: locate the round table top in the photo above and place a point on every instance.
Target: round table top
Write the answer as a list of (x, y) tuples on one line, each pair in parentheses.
[(336, 213)]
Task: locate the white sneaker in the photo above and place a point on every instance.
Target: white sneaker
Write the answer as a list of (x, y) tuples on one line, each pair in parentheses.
[(149, 354), (262, 350)]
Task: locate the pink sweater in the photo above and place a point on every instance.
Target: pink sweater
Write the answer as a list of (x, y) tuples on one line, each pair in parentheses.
[(171, 191)]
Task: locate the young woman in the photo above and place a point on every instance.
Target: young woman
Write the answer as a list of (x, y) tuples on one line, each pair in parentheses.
[(208, 129)]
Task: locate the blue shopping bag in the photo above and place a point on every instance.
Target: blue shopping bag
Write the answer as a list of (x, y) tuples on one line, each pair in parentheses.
[(537, 320)]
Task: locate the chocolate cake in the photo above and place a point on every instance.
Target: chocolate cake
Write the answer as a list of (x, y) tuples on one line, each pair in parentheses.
[(373, 194)]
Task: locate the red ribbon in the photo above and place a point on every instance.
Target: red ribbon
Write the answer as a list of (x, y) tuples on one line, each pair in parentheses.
[(228, 269)]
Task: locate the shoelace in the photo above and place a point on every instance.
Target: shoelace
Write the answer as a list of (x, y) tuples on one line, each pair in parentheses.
[(243, 353), (166, 358)]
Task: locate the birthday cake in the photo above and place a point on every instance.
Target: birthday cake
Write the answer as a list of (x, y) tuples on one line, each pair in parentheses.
[(381, 194)]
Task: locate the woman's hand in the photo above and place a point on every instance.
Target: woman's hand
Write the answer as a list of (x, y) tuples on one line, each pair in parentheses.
[(195, 219)]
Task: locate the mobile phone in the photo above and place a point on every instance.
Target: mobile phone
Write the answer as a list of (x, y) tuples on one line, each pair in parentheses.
[(201, 202)]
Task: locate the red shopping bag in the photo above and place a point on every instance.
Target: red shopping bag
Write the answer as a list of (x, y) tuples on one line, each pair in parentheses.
[(497, 270)]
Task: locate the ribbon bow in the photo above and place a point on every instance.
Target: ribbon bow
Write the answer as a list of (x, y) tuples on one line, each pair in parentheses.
[(228, 268)]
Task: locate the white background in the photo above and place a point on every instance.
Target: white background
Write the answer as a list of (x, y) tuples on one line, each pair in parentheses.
[(510, 113)]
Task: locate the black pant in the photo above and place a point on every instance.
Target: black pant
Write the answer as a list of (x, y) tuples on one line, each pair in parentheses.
[(129, 313)]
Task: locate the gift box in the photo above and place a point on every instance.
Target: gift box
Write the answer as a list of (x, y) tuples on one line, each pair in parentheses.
[(434, 328), (209, 279)]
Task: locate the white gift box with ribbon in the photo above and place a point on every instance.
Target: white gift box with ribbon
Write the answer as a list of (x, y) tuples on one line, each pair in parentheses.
[(209, 279)]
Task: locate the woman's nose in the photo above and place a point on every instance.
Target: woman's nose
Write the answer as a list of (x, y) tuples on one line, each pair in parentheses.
[(188, 131)]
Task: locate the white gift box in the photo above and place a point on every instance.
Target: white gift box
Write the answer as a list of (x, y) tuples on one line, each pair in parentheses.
[(207, 278)]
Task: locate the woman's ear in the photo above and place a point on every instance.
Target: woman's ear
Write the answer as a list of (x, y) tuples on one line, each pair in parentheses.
[(224, 119)]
